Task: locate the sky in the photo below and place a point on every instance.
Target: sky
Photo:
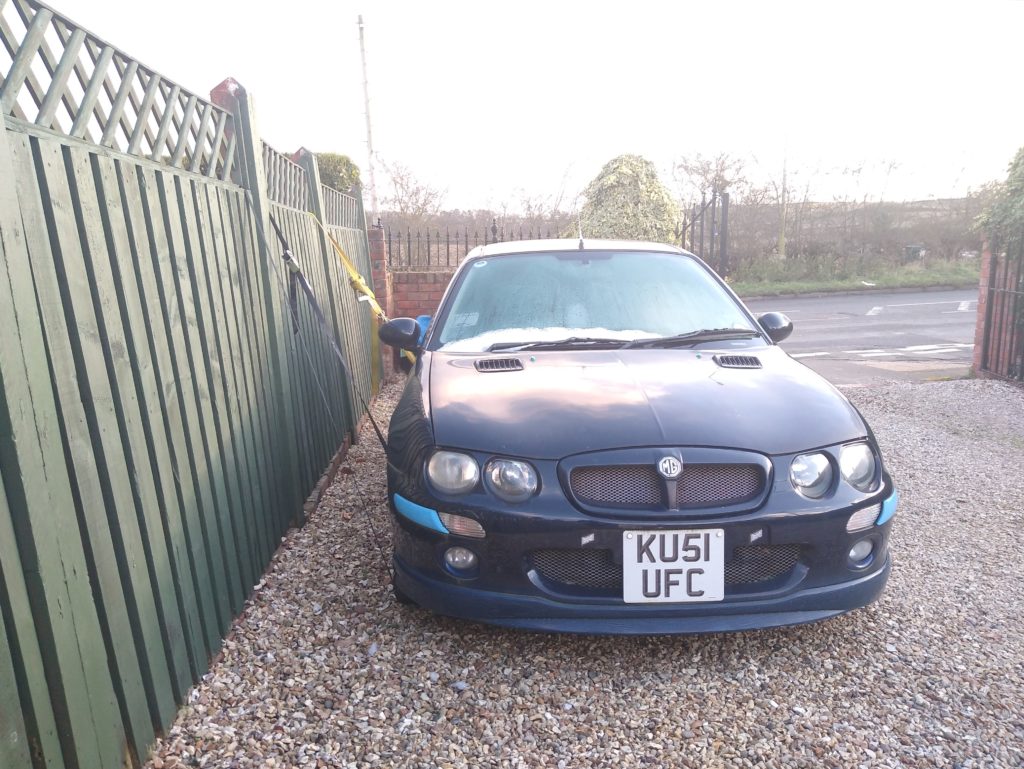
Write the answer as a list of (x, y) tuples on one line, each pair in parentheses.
[(496, 102)]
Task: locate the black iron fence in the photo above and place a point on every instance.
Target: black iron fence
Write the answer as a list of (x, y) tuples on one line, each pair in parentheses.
[(446, 248), (703, 231), (1002, 351)]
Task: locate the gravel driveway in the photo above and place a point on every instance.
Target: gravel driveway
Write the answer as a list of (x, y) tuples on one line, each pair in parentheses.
[(324, 669)]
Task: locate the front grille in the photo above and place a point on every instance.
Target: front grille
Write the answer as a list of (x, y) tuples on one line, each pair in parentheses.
[(706, 485), (640, 486), (579, 568), (617, 485), (760, 563), (576, 568)]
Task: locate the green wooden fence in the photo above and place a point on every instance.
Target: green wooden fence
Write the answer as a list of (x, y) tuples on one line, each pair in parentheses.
[(163, 412)]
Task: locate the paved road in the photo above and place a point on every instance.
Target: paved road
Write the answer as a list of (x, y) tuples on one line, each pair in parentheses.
[(866, 337)]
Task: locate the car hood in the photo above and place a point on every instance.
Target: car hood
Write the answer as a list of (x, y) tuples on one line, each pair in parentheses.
[(564, 403)]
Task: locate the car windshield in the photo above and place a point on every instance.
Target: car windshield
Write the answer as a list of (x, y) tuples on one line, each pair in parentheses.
[(587, 298)]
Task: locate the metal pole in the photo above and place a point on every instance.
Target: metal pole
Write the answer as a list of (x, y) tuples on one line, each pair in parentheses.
[(703, 216), (369, 132), (723, 251), (714, 226)]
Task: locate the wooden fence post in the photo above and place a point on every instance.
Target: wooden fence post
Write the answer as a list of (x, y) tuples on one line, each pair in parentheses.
[(231, 96)]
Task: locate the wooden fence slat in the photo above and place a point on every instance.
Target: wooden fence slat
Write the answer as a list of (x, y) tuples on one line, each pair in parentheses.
[(42, 509), (207, 367), (176, 402), (101, 468), (164, 514), (252, 410), (14, 746), (35, 709), (217, 521), (179, 380), (247, 275), (207, 208), (158, 611)]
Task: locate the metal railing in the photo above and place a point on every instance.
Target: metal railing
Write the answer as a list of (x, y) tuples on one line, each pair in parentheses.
[(447, 248)]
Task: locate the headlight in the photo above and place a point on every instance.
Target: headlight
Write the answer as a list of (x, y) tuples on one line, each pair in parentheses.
[(857, 465), (811, 474), (453, 472), (511, 480)]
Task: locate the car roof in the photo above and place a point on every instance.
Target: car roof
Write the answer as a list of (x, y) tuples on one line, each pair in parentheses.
[(569, 244)]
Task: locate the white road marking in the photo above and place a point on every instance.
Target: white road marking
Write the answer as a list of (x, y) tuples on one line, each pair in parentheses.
[(809, 354), (922, 304), (916, 347), (878, 354), (962, 307), (942, 351), (861, 352), (875, 310)]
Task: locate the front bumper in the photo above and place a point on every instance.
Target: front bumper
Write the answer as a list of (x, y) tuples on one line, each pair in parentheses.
[(509, 589), (541, 613)]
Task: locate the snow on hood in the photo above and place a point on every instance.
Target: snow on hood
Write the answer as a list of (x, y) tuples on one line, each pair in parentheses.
[(481, 342)]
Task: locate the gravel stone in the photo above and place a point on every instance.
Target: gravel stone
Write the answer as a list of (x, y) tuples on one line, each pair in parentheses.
[(325, 669)]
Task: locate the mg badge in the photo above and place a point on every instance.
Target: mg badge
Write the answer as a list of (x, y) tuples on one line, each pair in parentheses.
[(670, 468)]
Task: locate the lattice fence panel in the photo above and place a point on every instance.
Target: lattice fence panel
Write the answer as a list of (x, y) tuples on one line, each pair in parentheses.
[(286, 181), (61, 77), (340, 209)]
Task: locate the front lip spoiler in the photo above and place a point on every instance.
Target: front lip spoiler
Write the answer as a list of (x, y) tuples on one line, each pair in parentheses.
[(541, 614)]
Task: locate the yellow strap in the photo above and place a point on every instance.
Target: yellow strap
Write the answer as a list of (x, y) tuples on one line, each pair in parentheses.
[(358, 281)]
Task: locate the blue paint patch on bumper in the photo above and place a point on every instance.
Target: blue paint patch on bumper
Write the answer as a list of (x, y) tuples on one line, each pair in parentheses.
[(888, 508), (419, 514)]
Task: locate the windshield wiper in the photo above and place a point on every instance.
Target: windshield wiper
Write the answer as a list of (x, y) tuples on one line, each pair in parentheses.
[(572, 341), (694, 337)]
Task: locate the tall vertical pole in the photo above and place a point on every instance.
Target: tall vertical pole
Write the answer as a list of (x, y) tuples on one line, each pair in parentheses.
[(369, 130), (723, 251)]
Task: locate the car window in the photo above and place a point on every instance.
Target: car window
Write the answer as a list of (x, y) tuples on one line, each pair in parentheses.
[(547, 296)]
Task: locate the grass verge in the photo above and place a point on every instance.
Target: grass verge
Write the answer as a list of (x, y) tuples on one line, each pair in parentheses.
[(953, 274)]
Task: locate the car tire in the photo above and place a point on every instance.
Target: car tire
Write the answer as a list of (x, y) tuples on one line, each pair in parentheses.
[(400, 595)]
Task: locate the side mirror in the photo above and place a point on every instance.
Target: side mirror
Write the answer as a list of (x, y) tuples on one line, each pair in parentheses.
[(403, 333), (776, 325)]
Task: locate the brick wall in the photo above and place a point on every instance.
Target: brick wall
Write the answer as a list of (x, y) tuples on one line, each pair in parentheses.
[(417, 292)]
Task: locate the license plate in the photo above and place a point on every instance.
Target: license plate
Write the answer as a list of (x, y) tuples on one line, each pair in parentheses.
[(677, 566)]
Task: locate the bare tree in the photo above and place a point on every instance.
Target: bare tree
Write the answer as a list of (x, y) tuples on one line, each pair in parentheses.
[(696, 174), (413, 199)]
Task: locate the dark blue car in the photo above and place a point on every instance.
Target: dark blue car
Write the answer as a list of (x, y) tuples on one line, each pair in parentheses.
[(599, 437)]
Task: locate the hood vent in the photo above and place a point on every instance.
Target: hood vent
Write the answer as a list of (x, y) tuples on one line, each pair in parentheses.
[(737, 361), (499, 364)]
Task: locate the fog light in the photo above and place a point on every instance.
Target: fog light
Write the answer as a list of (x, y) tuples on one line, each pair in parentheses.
[(463, 526), (861, 551), (459, 558)]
